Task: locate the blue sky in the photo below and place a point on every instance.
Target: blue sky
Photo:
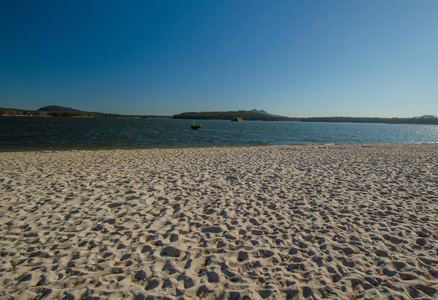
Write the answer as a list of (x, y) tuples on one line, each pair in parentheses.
[(294, 58)]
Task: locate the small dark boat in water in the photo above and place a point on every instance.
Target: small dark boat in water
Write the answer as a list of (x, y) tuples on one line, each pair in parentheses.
[(194, 126)]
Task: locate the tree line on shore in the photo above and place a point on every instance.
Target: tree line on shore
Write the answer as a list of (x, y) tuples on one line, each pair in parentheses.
[(59, 111), (66, 112), (248, 115), (230, 115)]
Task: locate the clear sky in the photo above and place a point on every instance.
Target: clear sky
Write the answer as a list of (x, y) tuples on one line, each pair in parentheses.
[(293, 58)]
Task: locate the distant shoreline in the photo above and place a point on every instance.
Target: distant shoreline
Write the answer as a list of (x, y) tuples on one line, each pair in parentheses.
[(60, 111), (90, 117), (348, 120)]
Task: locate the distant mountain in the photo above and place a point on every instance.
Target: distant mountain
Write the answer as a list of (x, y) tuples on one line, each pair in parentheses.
[(58, 108), (263, 112)]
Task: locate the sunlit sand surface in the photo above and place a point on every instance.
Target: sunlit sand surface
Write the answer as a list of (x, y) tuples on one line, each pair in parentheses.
[(281, 222)]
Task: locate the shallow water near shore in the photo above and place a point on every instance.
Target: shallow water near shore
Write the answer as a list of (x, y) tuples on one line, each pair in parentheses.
[(35, 133)]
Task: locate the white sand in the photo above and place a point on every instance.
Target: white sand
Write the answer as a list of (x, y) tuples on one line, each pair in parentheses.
[(280, 222)]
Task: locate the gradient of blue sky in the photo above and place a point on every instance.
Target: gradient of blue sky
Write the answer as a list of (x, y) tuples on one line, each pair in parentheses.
[(294, 58)]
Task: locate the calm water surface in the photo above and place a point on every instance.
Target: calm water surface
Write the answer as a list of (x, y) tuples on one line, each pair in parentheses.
[(35, 133)]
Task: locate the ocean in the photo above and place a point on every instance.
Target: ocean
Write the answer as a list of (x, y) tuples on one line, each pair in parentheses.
[(39, 133)]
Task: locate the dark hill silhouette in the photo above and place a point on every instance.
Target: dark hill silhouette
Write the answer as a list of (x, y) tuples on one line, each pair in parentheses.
[(62, 111), (58, 108)]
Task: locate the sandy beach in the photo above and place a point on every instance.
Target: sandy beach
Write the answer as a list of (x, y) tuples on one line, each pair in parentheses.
[(280, 222)]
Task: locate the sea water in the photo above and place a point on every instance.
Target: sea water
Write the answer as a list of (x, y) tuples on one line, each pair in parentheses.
[(39, 133)]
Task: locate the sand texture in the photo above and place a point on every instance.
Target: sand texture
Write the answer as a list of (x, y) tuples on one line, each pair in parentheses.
[(281, 222)]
